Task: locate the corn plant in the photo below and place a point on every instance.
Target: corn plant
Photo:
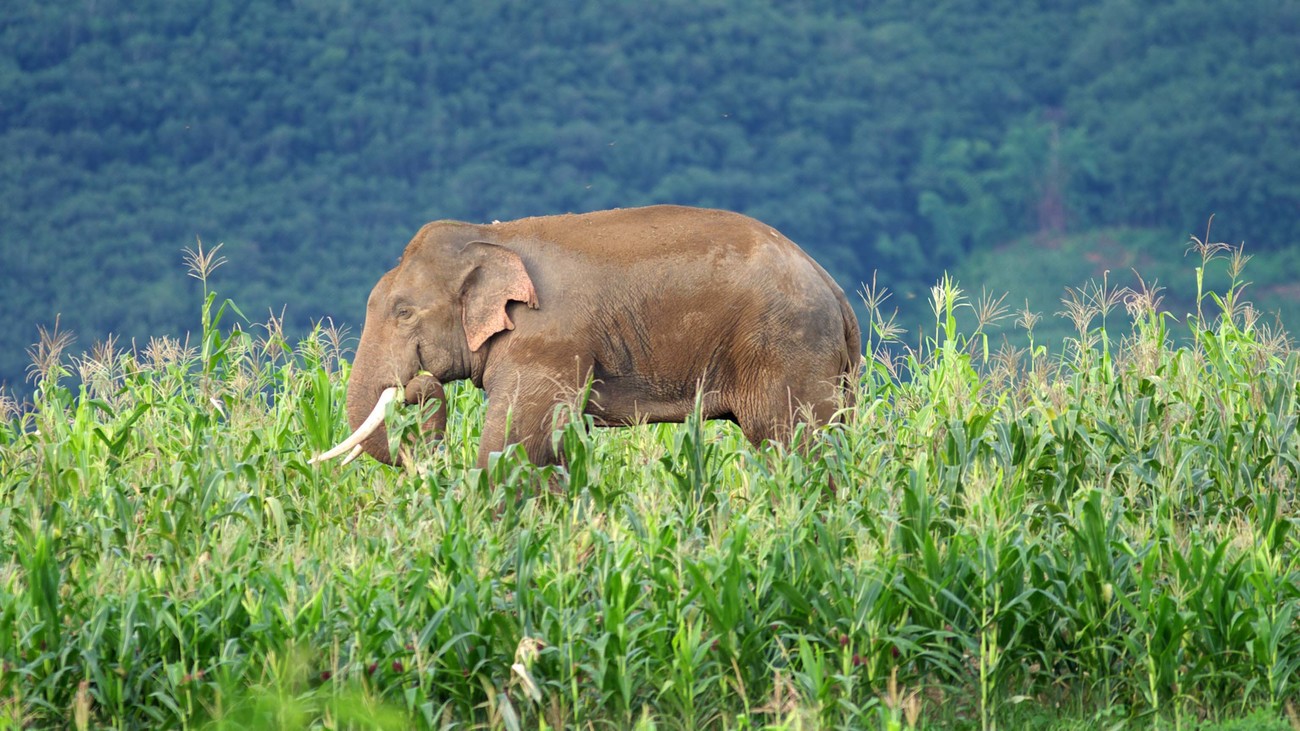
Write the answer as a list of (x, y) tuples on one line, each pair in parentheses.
[(1102, 536)]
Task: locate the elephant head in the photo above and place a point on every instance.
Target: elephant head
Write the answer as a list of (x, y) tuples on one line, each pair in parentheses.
[(428, 321)]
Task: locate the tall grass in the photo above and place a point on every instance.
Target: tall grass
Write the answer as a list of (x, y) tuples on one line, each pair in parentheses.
[(996, 538)]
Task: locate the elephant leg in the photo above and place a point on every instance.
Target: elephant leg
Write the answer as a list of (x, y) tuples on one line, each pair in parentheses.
[(764, 420), (527, 410), (526, 423), (770, 411)]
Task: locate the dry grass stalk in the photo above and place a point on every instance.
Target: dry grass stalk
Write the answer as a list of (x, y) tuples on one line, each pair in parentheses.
[(47, 354)]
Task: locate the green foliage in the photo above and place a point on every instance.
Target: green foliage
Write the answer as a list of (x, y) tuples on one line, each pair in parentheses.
[(314, 138), (991, 540)]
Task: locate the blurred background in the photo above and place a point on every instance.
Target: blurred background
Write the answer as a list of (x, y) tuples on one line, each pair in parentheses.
[(1022, 146)]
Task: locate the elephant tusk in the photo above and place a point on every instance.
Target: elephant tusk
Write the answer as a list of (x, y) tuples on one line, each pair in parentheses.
[(356, 451), (368, 427)]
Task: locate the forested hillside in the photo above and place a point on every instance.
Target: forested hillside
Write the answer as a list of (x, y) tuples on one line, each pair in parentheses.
[(312, 138)]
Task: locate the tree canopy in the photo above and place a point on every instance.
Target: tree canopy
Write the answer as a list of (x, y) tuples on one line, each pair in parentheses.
[(313, 137)]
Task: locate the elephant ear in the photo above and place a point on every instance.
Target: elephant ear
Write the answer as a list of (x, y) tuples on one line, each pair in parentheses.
[(497, 276)]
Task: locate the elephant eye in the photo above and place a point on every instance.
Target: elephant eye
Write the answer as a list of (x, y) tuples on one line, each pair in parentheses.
[(405, 312)]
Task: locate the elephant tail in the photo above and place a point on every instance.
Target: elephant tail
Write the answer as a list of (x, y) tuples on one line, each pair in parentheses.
[(852, 373)]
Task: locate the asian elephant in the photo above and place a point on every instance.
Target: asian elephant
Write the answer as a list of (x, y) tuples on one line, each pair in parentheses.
[(653, 307)]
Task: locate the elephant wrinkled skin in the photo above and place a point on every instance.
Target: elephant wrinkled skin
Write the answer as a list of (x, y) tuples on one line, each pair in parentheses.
[(652, 306)]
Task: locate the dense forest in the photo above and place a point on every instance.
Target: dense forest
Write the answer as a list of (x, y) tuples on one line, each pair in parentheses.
[(312, 138)]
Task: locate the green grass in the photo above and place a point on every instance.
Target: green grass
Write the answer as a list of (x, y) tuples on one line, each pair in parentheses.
[(995, 539)]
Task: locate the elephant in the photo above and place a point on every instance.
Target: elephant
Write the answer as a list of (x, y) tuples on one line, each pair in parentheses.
[(653, 309)]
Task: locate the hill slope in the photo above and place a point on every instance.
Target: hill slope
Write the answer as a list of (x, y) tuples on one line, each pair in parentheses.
[(314, 138)]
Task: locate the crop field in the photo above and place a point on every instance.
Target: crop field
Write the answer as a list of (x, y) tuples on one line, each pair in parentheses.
[(996, 536)]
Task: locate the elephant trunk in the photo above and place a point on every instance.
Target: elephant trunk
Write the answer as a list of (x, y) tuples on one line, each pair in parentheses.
[(365, 393)]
